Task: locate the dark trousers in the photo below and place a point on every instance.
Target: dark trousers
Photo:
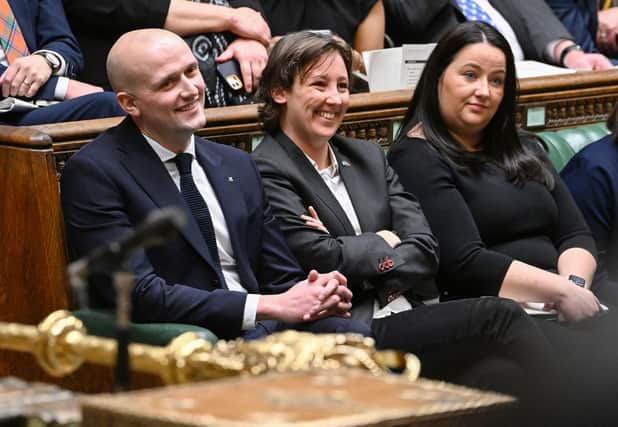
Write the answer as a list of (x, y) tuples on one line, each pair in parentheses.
[(562, 375), (92, 106), (488, 343), (326, 325), (450, 337), (587, 352)]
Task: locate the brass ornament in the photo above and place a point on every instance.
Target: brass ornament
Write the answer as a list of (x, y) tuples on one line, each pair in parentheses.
[(60, 345)]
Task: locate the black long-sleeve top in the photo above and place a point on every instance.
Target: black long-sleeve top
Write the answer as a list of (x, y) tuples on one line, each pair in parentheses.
[(483, 222)]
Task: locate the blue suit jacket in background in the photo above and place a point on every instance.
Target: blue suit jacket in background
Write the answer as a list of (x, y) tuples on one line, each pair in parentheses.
[(44, 26)]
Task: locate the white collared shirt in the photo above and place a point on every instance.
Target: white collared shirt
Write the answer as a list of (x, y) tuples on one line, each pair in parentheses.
[(224, 245), (335, 184), (504, 27), (332, 179)]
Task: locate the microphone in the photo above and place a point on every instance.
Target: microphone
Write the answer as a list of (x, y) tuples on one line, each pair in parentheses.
[(159, 226)]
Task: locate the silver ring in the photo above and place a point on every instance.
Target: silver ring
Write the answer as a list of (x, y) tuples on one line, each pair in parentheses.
[(27, 83), (603, 35)]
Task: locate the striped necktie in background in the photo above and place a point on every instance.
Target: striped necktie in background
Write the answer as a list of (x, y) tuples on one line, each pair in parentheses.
[(11, 38), (473, 12)]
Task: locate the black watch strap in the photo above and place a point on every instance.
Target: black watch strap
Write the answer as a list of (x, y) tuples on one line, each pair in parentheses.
[(579, 281), (566, 51)]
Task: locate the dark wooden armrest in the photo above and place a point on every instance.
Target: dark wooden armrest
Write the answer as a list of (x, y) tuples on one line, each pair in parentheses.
[(20, 136)]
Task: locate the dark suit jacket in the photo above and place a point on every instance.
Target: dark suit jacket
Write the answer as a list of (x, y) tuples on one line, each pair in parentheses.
[(292, 184), (592, 178), (581, 19), (114, 182), (44, 26), (423, 21)]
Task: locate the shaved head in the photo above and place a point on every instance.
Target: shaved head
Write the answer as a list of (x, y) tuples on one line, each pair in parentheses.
[(130, 57), (158, 83)]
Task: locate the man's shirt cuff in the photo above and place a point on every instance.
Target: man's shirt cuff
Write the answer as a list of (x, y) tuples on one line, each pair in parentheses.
[(61, 88), (250, 312)]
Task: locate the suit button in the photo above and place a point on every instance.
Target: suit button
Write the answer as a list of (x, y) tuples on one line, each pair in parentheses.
[(215, 282)]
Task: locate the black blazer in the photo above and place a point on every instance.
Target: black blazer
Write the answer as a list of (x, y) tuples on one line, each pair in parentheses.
[(292, 184)]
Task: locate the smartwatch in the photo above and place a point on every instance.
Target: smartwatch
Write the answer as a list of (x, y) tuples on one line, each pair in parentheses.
[(52, 60), (579, 281), (566, 51)]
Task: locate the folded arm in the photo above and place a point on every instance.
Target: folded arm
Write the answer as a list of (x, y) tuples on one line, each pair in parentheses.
[(411, 261)]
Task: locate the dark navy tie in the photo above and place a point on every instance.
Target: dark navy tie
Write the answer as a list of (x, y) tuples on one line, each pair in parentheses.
[(196, 203)]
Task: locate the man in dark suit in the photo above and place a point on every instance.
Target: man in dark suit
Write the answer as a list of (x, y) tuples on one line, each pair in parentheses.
[(117, 180), (539, 34), (47, 70)]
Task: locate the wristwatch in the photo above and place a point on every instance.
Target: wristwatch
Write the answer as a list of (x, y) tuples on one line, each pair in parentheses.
[(566, 51), (579, 281), (51, 59)]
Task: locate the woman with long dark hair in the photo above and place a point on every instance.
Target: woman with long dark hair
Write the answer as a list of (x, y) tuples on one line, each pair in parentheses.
[(341, 206), (505, 222)]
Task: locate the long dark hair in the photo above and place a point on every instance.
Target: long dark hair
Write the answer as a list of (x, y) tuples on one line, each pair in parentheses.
[(501, 143)]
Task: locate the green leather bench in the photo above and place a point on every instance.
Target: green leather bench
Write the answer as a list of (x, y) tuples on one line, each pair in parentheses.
[(103, 324), (564, 143)]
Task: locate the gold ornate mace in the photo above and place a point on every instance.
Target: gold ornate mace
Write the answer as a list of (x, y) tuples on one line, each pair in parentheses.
[(60, 344)]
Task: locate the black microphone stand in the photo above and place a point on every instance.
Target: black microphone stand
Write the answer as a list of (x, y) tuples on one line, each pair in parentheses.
[(123, 283), (159, 226)]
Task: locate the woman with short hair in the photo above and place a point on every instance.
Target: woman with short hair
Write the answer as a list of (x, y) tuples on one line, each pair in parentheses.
[(342, 207)]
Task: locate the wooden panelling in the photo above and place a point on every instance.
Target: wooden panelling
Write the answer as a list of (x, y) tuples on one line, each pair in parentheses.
[(33, 249)]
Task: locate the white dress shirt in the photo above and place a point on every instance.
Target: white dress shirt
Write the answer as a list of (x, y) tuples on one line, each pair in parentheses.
[(504, 27), (332, 179), (224, 245)]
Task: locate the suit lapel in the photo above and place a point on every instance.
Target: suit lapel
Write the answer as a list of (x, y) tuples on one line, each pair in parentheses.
[(314, 181), (150, 173)]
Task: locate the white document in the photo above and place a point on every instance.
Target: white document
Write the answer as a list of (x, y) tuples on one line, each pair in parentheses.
[(537, 309), (396, 68), (526, 69), (383, 69), (16, 105), (414, 58)]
